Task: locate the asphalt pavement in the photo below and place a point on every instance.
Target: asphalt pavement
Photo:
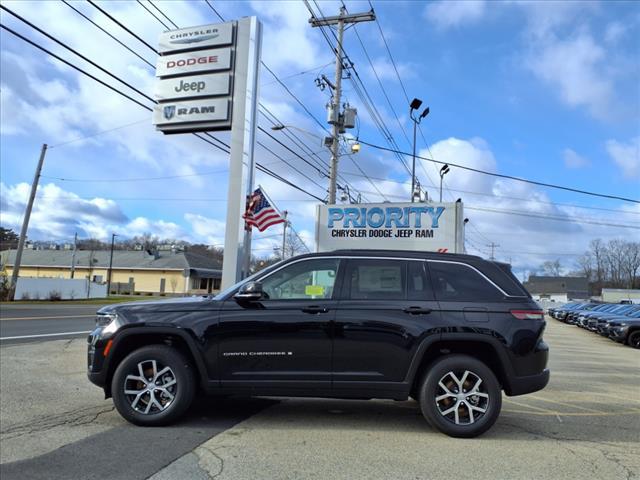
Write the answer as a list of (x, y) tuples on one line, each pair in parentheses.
[(585, 425), (21, 323)]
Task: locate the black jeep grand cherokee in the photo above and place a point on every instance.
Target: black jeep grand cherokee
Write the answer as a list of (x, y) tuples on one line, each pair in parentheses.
[(449, 330)]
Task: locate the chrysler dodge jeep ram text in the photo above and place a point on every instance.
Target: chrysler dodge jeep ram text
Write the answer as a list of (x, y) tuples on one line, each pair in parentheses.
[(452, 331)]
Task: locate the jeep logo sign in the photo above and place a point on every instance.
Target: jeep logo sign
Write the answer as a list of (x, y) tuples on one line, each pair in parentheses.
[(193, 86), (391, 226)]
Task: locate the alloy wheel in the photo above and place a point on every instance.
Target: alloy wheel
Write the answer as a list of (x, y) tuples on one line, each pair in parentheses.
[(152, 388), (461, 397)]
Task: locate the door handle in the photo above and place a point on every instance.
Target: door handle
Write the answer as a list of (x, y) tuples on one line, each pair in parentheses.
[(417, 310), (315, 309)]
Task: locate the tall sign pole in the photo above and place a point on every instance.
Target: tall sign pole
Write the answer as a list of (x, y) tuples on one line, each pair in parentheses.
[(208, 81), (237, 240), (25, 224), (335, 118)]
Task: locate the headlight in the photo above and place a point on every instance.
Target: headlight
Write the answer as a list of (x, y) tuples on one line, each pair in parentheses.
[(108, 322)]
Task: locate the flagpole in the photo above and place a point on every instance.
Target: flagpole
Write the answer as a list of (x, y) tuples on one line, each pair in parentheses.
[(284, 233)]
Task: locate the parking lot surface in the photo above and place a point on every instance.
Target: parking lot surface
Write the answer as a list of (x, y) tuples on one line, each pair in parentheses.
[(585, 424)]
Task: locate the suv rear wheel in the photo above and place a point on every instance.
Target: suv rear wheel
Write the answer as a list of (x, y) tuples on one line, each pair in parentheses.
[(153, 386), (460, 396)]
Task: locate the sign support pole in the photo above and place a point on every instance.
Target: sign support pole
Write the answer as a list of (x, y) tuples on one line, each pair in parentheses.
[(237, 240)]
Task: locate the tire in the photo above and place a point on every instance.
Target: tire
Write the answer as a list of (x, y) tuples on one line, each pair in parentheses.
[(465, 416), (634, 339), (135, 380)]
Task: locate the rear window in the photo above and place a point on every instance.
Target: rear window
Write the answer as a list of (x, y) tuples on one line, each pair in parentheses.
[(454, 282)]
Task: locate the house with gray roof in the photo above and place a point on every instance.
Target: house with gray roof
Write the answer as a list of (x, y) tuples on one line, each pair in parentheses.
[(559, 289), (136, 272)]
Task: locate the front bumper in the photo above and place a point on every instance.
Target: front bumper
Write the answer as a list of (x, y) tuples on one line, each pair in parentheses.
[(619, 334)]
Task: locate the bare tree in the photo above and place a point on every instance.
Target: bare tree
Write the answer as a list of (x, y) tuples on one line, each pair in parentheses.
[(552, 268)]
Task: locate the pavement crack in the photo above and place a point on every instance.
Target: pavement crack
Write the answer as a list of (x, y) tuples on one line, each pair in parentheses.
[(72, 418)]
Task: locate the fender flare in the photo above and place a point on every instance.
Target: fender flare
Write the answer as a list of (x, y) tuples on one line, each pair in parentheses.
[(492, 342), (133, 331)]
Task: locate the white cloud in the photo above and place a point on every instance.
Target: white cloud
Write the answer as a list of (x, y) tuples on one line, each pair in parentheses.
[(454, 13), (208, 229), (573, 160), (626, 156), (576, 68)]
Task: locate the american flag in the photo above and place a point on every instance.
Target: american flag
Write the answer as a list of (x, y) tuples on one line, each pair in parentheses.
[(260, 213)]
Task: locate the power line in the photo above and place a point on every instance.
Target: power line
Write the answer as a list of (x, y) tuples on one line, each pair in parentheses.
[(504, 197), (163, 14), (109, 34), (550, 217), (25, 39), (509, 177), (98, 133), (260, 167), (123, 27), (543, 216), (153, 14)]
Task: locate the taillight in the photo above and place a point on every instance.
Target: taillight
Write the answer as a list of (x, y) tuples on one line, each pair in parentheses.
[(528, 314)]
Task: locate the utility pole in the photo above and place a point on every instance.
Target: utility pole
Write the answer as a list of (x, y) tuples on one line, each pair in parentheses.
[(73, 257), (25, 224), (113, 238), (493, 246), (284, 233), (334, 109)]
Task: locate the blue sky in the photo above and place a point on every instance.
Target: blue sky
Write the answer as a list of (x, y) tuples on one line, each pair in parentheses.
[(543, 90)]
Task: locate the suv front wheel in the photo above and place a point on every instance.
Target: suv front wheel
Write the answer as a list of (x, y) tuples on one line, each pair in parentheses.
[(153, 386), (460, 396)]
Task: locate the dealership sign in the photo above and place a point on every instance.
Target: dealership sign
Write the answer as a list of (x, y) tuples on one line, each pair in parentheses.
[(391, 226), (196, 71)]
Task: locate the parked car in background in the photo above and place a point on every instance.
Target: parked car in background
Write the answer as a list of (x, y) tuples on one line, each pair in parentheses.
[(582, 318), (600, 318), (625, 330), (563, 312), (604, 325)]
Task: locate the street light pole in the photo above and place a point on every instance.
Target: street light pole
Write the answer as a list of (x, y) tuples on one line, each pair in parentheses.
[(443, 171), (414, 105), (113, 238)]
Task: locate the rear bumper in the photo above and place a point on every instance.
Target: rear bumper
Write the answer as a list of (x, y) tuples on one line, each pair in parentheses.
[(528, 384)]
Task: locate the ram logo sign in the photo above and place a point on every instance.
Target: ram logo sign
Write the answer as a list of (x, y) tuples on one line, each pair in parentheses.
[(399, 226)]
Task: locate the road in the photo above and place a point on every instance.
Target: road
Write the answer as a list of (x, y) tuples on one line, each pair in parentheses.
[(586, 424), (21, 323)]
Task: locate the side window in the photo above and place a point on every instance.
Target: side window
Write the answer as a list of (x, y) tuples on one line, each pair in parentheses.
[(418, 283), (376, 280), (454, 282), (309, 279)]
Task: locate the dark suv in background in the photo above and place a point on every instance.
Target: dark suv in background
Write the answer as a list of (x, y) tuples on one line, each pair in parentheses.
[(451, 331)]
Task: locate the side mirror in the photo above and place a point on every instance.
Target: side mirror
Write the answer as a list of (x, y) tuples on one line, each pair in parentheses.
[(249, 292)]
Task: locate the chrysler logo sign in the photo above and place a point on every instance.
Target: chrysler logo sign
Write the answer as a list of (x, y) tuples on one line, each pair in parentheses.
[(196, 37)]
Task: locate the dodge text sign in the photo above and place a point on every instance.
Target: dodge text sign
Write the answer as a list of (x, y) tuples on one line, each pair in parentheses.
[(391, 226)]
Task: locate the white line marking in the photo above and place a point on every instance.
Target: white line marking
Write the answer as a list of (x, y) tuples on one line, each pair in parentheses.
[(44, 335), (49, 317)]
